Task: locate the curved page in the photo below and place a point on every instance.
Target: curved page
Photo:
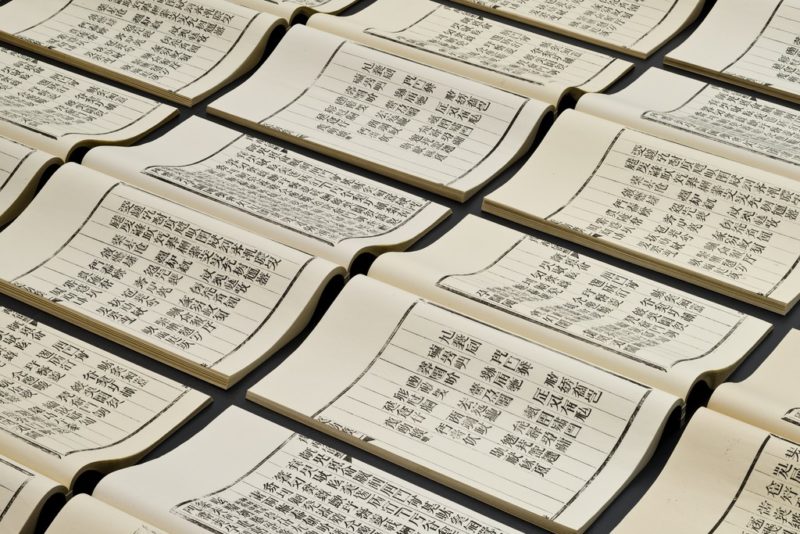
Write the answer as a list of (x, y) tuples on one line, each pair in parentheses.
[(55, 110), (636, 28), (769, 398), (725, 477), (181, 51), (752, 44), (245, 475), (529, 430), (626, 323), (477, 47), (23, 493), (432, 129), (67, 406), (199, 294), (21, 167), (708, 117), (85, 514), (290, 9), (693, 215), (272, 191)]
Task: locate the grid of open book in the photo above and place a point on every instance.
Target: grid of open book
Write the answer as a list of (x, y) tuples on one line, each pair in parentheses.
[(399, 266)]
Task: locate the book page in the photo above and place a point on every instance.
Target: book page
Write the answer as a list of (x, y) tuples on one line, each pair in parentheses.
[(701, 218), (524, 428), (725, 477), (201, 295), (55, 110), (66, 406), (275, 481), (622, 322), (432, 129), (753, 44), (635, 28), (179, 51), (272, 191), (705, 116), (21, 167), (769, 398), (477, 47), (86, 514), (23, 493)]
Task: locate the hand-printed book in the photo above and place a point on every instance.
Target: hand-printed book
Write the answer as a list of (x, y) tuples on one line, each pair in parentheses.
[(683, 177), (66, 408), (736, 468), (159, 259), (178, 50), (415, 123), (483, 49), (752, 44), (47, 112), (245, 475), (517, 371)]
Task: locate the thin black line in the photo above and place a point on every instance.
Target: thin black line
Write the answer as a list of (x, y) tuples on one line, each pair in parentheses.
[(19, 489), (18, 165), (750, 47), (741, 487), (656, 25)]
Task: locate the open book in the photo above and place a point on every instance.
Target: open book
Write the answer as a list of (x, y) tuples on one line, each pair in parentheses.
[(477, 47), (47, 112), (411, 122), (539, 381), (180, 51), (752, 44), (245, 475), (272, 191), (737, 465), (639, 190), (295, 10), (67, 408), (637, 28), (194, 290)]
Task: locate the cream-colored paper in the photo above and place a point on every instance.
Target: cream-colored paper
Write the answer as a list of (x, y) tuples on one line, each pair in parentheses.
[(705, 116), (477, 47), (432, 129), (737, 466), (23, 493), (272, 191), (67, 407), (84, 514), (693, 215), (179, 51), (769, 398), (625, 323), (197, 293), (637, 28), (524, 428), (724, 477), (245, 475), (292, 9), (55, 110), (21, 167), (752, 44)]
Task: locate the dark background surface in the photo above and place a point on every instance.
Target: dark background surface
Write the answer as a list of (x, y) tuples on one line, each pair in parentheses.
[(236, 395)]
